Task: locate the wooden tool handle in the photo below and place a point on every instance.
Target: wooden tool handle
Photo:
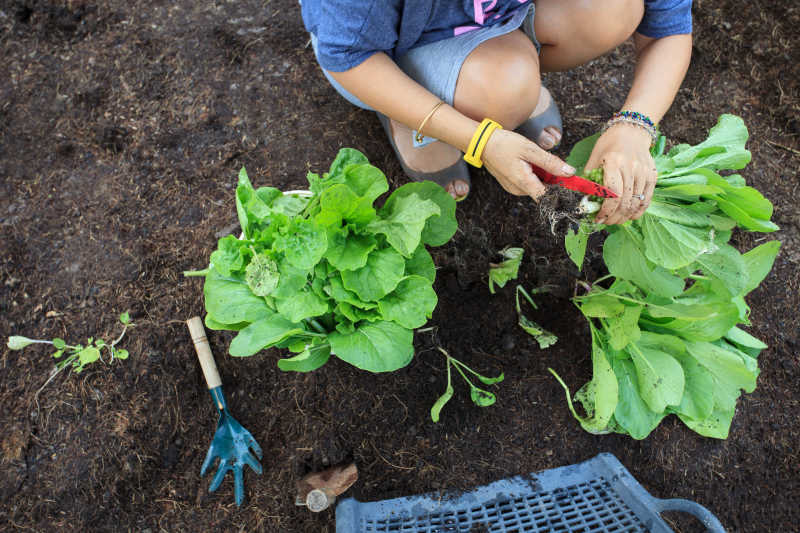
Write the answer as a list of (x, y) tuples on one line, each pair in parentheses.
[(198, 333)]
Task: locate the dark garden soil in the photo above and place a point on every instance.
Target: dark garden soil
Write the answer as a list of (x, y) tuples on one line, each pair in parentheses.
[(122, 128)]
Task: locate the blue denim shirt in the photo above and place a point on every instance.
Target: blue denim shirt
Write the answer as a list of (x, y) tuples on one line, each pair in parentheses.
[(349, 31)]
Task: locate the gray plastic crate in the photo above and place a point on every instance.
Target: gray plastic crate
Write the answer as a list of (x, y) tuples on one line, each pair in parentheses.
[(597, 495)]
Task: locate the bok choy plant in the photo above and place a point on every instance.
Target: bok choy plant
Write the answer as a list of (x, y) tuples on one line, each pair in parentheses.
[(665, 320)]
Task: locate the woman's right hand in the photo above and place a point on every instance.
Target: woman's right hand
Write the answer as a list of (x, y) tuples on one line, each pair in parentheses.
[(508, 155)]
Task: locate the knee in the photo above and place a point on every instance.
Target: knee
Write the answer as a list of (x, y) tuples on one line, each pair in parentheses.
[(609, 23), (504, 89)]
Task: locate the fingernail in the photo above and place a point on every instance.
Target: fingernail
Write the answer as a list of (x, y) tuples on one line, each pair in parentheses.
[(567, 169), (546, 140), (600, 220)]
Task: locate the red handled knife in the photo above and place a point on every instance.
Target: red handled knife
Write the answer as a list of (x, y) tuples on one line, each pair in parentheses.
[(575, 183)]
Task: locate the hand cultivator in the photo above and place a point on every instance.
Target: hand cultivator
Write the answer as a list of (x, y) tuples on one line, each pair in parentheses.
[(232, 442)]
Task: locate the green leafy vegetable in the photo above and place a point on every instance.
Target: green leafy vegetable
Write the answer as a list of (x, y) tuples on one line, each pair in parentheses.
[(479, 396), (502, 273), (542, 336), (665, 335), (330, 273), (76, 357)]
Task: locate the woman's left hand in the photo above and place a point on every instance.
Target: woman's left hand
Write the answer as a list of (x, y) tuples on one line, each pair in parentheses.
[(628, 169)]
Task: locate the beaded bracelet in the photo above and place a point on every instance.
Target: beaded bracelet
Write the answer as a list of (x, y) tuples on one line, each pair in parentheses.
[(635, 118)]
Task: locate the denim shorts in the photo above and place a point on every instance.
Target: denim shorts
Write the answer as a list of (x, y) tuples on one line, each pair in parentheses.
[(436, 65)]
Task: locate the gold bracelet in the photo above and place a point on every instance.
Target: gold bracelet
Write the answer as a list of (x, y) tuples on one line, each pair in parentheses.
[(479, 140), (419, 135)]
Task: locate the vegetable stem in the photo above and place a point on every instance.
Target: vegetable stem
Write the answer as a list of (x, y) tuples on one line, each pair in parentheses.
[(317, 326), (310, 206)]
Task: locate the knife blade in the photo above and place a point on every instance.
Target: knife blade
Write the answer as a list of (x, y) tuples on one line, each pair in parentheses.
[(574, 183)]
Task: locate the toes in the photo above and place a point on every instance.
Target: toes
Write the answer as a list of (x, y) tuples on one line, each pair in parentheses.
[(554, 133), (458, 189), (546, 140), (549, 138)]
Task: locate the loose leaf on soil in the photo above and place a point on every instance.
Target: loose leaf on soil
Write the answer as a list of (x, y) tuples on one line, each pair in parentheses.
[(18, 342), (507, 270), (76, 357), (575, 242), (440, 402), (479, 396), (542, 336)]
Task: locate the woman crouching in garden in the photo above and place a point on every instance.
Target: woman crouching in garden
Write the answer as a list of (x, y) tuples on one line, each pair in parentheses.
[(453, 78)]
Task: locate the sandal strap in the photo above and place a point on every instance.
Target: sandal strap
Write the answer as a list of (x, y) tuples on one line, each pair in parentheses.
[(457, 171), (534, 126)]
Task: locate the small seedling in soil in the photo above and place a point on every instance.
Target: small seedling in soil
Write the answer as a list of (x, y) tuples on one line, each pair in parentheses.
[(480, 397), (502, 273), (542, 336), (77, 356)]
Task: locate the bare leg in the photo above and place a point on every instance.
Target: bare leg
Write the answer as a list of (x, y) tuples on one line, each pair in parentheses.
[(501, 77), (572, 32)]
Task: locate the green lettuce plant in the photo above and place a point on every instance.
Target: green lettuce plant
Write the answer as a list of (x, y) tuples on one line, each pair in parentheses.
[(665, 320), (331, 273)]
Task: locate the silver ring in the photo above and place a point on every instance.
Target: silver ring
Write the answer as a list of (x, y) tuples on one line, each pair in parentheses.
[(639, 197)]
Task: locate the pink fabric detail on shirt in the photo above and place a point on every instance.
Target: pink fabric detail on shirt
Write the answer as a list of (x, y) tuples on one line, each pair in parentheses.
[(480, 12), (458, 30)]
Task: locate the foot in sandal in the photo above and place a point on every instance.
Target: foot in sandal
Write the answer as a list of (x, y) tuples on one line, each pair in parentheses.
[(544, 126), (438, 162)]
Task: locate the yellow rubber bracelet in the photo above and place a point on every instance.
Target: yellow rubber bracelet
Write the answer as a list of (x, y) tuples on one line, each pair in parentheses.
[(479, 140)]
